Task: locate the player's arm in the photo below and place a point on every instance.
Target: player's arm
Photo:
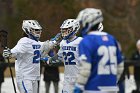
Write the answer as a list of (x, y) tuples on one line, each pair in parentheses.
[(50, 44), (21, 47), (85, 65), (85, 68), (120, 60), (120, 69), (57, 58), (82, 76), (54, 59)]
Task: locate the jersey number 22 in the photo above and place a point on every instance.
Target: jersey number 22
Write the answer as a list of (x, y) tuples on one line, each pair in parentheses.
[(69, 57)]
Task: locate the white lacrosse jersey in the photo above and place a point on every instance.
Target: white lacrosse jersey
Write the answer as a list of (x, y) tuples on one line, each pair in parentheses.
[(27, 53), (68, 52)]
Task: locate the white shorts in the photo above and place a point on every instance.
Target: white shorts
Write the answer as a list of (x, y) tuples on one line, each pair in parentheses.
[(68, 88), (99, 92), (68, 85), (27, 86)]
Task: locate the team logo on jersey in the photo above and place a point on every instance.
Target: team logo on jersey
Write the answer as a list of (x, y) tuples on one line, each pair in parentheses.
[(36, 46), (69, 48), (104, 38)]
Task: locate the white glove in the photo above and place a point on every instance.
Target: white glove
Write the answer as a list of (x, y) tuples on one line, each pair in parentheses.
[(6, 53), (46, 47)]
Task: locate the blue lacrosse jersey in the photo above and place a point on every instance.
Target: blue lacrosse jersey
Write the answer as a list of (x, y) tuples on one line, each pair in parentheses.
[(102, 52)]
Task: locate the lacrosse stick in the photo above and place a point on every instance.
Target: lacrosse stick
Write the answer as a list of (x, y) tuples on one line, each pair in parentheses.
[(11, 73)]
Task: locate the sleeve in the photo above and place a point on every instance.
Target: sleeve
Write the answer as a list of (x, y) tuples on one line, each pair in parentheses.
[(85, 63), (60, 51), (85, 50), (19, 48), (119, 54), (120, 62)]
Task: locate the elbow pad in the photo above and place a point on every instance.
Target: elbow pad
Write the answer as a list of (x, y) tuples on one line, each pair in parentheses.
[(120, 69), (84, 73)]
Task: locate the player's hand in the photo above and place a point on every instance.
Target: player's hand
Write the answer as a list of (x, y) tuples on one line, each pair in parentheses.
[(50, 61), (57, 38), (45, 59), (78, 88), (6, 53)]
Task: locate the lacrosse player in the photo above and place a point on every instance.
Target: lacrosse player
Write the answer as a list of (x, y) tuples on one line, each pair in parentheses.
[(28, 54), (68, 53), (100, 58)]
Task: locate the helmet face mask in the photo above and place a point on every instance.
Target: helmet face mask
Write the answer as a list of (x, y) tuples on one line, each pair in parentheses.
[(66, 31), (32, 29), (36, 32), (69, 28)]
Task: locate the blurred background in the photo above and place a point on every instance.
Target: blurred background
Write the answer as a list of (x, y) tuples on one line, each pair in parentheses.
[(121, 18)]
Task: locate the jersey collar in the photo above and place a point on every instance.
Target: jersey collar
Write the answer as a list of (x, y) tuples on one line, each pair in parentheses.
[(68, 41), (97, 33)]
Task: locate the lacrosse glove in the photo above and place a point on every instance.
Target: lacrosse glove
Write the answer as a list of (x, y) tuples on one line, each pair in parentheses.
[(6, 53)]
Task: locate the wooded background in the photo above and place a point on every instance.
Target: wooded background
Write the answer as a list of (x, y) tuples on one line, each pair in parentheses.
[(121, 17)]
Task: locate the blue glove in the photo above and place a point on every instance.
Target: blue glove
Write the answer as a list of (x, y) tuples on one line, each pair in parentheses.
[(57, 38), (77, 90), (45, 59)]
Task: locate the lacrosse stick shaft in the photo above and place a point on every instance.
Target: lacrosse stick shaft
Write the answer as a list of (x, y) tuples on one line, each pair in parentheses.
[(12, 75)]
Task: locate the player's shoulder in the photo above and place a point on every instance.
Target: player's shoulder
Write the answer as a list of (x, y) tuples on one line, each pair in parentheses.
[(79, 38), (98, 34), (25, 40), (62, 42), (41, 43), (111, 37)]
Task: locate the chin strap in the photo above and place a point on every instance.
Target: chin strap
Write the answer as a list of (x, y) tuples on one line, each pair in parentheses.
[(31, 36), (71, 34), (85, 30)]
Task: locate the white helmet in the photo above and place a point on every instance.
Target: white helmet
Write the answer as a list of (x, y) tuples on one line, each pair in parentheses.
[(90, 17), (32, 28), (69, 28)]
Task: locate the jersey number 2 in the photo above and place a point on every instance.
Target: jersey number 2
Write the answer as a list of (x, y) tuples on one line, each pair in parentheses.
[(108, 63), (36, 58), (69, 57)]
